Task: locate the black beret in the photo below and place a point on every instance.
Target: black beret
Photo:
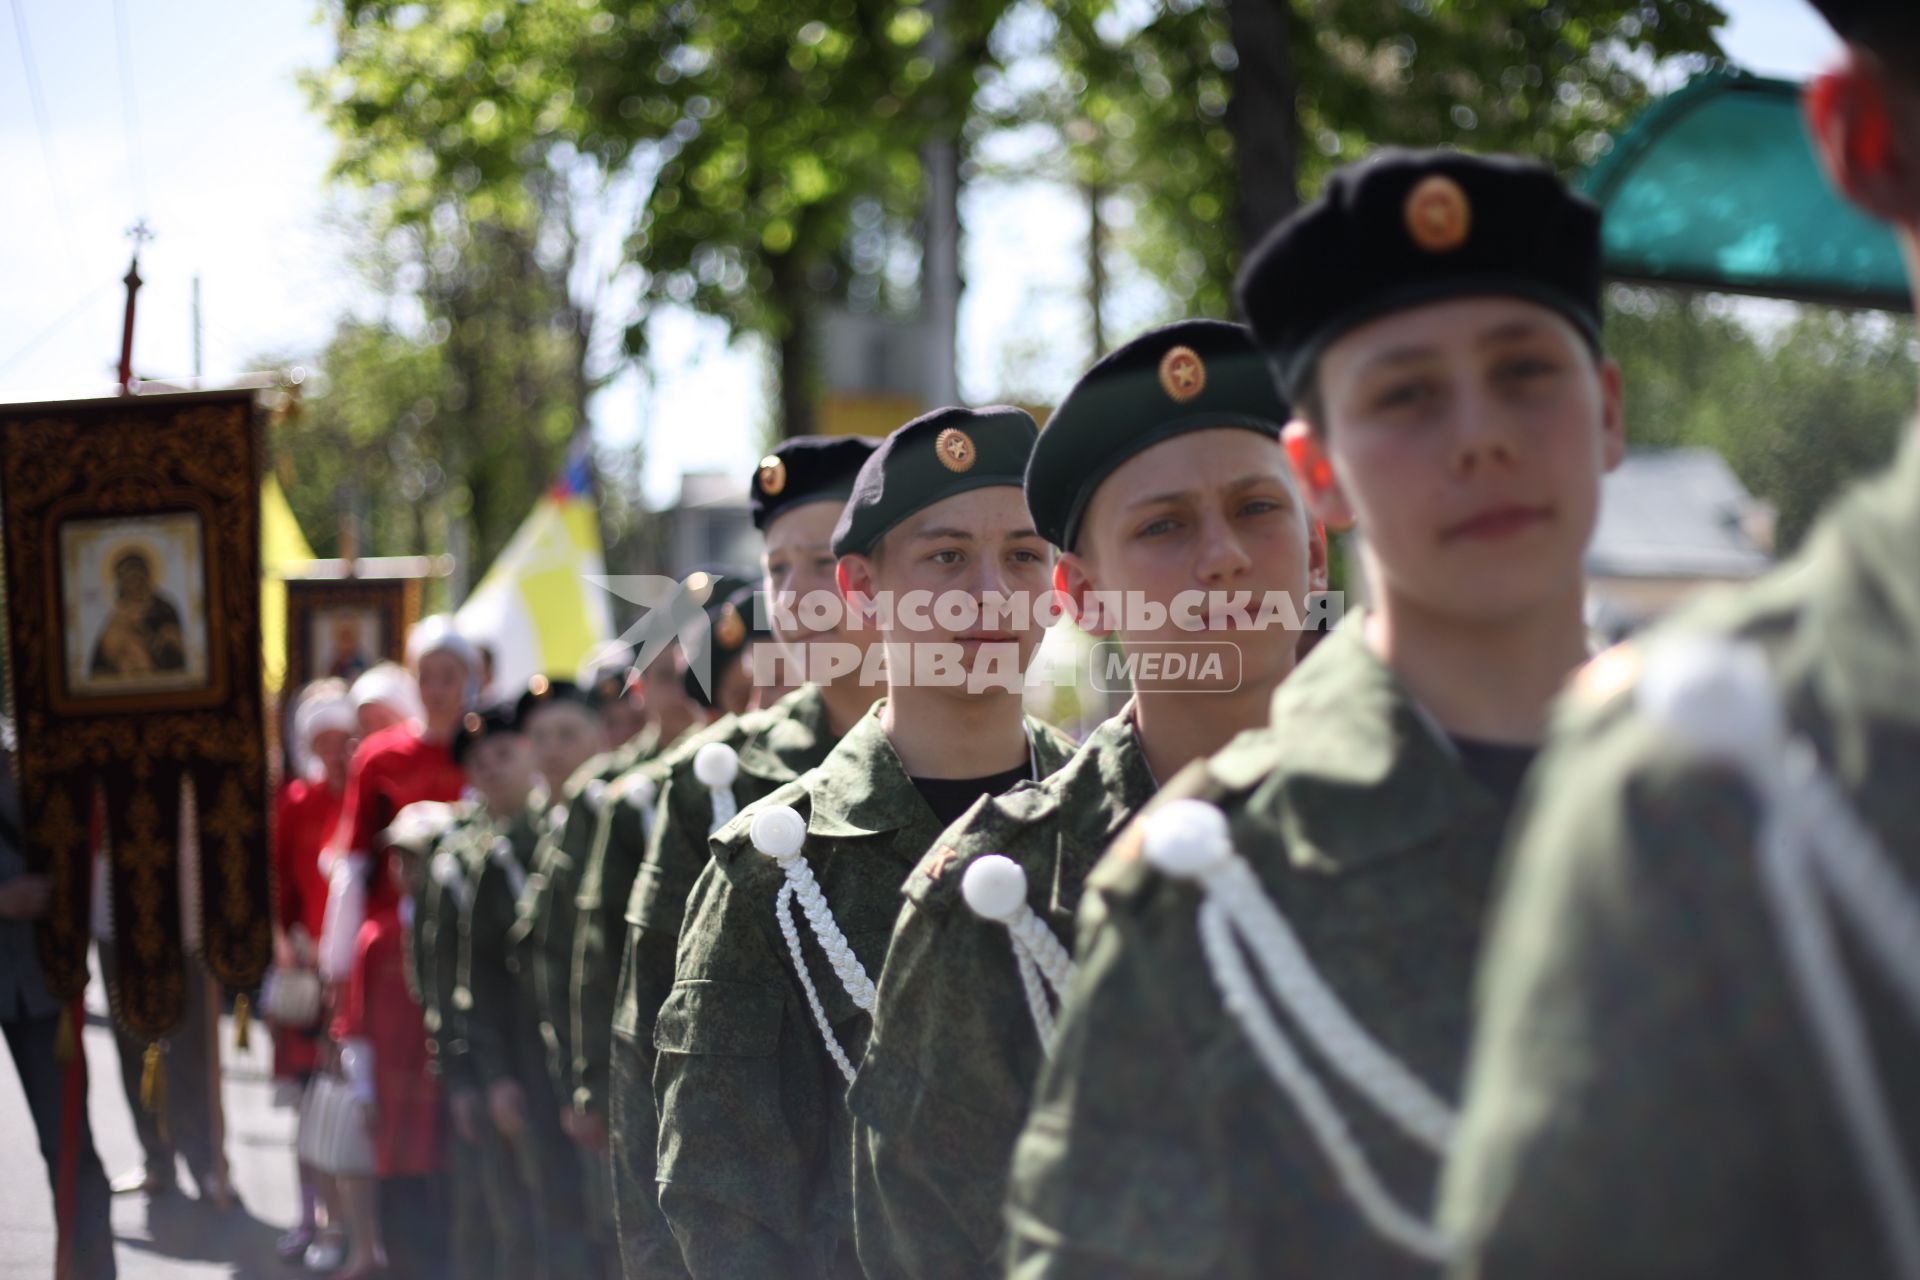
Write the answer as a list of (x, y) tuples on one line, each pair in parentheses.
[(721, 639), (806, 469), (934, 457), (1190, 376), (495, 718), (1406, 228), (609, 685), (1874, 23), (543, 691)]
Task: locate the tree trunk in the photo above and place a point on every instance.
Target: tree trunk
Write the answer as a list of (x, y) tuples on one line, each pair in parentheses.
[(796, 349), (1096, 268), (1263, 116)]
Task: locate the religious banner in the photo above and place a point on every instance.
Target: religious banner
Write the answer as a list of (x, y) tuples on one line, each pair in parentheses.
[(132, 561), (341, 626)]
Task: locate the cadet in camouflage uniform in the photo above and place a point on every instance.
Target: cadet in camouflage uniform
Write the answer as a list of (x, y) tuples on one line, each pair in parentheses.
[(1160, 474), (752, 1052), (500, 1009), (1699, 1052), (1435, 317), (795, 499), (603, 876)]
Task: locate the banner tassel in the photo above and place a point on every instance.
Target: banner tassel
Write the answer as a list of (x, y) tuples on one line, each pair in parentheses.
[(153, 1087), (242, 1019), (65, 1047)]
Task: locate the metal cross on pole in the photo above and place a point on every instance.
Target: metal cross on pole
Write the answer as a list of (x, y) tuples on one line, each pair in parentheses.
[(139, 233)]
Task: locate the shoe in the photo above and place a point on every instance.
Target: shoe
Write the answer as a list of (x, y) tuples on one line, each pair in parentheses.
[(143, 1182), (292, 1247), (325, 1254), (216, 1189)]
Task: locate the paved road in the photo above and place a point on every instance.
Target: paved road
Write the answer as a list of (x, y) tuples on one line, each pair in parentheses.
[(177, 1237)]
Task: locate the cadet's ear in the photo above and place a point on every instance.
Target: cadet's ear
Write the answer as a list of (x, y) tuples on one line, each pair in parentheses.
[(854, 576), (1853, 133), (1318, 486), (1317, 558), (1070, 581), (1613, 411)]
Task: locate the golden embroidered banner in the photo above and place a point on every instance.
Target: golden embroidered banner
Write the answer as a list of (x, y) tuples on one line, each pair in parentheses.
[(132, 558)]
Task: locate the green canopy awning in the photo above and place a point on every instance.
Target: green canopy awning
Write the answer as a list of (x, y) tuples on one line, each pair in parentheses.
[(1717, 187)]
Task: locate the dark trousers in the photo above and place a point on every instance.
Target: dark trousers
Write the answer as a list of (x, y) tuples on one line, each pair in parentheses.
[(31, 1041), (413, 1221), (192, 1128)]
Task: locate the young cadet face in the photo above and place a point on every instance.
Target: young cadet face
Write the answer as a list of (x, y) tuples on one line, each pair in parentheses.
[(1212, 512), (1467, 439), (975, 545), (500, 768), (443, 686), (799, 561), (563, 736)]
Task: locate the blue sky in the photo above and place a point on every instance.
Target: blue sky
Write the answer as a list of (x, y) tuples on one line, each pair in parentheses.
[(222, 156)]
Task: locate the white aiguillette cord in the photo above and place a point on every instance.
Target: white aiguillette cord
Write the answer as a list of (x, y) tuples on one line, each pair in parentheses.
[(1189, 840), (781, 833), (1717, 697), (995, 887), (716, 765)]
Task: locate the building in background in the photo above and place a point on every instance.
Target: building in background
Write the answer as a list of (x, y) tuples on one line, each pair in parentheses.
[(1672, 522)]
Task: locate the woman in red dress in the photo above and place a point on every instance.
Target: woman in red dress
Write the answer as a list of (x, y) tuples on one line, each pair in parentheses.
[(406, 762), (305, 814), (383, 1054)]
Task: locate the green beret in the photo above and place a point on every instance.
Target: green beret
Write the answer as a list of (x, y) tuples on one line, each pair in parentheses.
[(806, 469), (724, 636), (1888, 25), (1408, 228), (934, 457), (1191, 376)]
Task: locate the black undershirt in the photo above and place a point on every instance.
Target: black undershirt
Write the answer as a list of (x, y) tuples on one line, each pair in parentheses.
[(951, 797), (1500, 767)]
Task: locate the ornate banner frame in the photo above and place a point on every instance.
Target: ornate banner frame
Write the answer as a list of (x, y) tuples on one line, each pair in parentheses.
[(394, 603), (132, 559)]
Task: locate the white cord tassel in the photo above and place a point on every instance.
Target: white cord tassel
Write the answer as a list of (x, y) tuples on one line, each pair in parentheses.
[(995, 887), (716, 766), (502, 855), (1718, 698), (641, 796), (448, 873), (780, 833), (1189, 840)]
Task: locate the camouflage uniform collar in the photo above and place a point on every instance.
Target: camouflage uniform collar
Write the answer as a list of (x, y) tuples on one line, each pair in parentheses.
[(1351, 767), (1114, 745), (791, 727), (859, 788)]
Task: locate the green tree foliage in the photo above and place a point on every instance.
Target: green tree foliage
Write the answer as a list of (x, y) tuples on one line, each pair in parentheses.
[(1147, 100), (1801, 401), (755, 130)]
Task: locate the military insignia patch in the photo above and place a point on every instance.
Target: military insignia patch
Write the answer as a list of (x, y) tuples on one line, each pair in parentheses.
[(1438, 215), (955, 449), (538, 686), (699, 586), (942, 862), (729, 628), (1183, 374), (472, 722), (773, 476)]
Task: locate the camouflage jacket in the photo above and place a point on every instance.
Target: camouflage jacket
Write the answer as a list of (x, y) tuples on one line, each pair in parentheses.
[(754, 1134), (1158, 1144), (1646, 1097), (625, 817), (950, 1067), (497, 1003), (445, 892), (543, 934)]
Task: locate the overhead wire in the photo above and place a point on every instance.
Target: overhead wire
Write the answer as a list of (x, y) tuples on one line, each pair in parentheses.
[(129, 111), (55, 182)]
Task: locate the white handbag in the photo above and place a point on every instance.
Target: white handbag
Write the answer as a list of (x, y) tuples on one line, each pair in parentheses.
[(335, 1136), (291, 998)]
